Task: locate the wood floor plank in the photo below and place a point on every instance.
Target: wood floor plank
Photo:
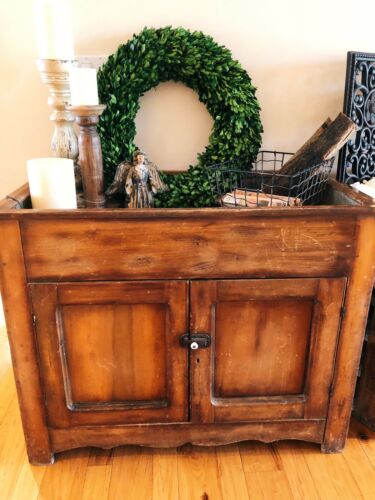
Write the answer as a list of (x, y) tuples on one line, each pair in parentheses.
[(97, 481), (4, 352), (7, 395), (165, 474), (258, 457), (12, 449), (132, 472), (268, 485), (198, 474), (99, 456), (331, 474), (231, 473), (65, 479), (366, 437), (28, 481), (360, 467), (296, 470)]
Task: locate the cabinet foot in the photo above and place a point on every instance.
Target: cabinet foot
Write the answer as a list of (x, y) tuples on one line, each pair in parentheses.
[(42, 459), (330, 448)]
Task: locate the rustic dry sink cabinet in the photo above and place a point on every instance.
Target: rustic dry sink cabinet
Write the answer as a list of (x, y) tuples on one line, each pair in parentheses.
[(161, 327)]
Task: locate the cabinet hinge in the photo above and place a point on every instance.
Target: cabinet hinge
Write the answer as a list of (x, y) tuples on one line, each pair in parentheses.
[(342, 312), (33, 318)]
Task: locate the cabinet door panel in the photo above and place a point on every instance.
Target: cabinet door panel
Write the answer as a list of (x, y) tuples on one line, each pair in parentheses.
[(268, 346), (106, 344), (272, 351), (109, 352)]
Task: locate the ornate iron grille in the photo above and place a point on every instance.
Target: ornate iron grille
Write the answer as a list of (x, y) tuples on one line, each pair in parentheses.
[(357, 158)]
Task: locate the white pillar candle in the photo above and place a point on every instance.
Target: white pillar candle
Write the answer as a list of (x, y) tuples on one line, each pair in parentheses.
[(54, 29), (52, 183), (83, 87)]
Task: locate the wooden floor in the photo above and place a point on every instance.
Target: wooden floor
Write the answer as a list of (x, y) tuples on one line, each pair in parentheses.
[(287, 470)]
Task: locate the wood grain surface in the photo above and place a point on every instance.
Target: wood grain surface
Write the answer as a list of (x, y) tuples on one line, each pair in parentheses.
[(249, 470), (109, 352), (273, 347), (187, 248)]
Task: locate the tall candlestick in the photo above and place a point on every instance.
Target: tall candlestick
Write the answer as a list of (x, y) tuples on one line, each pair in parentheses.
[(90, 154), (54, 29), (56, 75), (51, 183), (83, 87)]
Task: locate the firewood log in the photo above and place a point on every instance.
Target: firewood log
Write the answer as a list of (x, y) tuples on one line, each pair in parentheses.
[(323, 144)]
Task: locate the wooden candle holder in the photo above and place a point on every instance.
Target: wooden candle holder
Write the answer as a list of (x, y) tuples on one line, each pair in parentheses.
[(90, 154), (55, 74)]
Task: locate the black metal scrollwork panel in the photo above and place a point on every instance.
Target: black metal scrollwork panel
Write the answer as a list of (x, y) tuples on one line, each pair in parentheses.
[(357, 157)]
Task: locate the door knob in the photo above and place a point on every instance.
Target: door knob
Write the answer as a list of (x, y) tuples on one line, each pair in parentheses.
[(194, 345)]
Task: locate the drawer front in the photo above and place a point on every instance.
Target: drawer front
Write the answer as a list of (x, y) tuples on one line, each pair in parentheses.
[(63, 250)]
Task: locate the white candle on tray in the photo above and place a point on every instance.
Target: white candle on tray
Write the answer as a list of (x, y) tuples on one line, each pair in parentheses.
[(83, 87), (54, 29), (52, 183)]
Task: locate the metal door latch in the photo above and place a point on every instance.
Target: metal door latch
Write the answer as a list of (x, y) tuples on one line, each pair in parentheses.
[(195, 340)]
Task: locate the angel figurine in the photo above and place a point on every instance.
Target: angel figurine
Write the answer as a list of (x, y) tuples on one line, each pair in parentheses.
[(140, 180)]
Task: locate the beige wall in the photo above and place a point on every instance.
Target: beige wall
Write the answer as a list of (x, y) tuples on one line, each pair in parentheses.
[(295, 51)]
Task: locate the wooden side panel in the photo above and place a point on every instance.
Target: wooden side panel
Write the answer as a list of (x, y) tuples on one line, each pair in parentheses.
[(272, 352), (113, 358), (357, 300), (18, 317), (18, 199), (236, 247), (364, 406)]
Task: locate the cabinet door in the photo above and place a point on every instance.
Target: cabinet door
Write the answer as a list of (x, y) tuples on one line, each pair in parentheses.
[(109, 352), (272, 348)]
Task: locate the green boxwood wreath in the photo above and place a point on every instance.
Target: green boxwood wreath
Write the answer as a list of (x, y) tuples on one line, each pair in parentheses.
[(195, 59)]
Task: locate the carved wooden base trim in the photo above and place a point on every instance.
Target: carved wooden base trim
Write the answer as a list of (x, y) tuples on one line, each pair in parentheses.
[(172, 435)]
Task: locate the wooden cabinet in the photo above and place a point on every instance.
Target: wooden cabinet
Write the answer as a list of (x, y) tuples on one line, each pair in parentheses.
[(162, 327)]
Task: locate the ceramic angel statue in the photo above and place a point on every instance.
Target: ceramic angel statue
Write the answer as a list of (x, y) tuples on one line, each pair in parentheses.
[(140, 180)]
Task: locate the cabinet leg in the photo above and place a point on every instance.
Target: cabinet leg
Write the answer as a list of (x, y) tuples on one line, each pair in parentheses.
[(333, 447)]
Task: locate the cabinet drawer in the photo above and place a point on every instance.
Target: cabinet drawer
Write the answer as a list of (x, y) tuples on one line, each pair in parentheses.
[(186, 248)]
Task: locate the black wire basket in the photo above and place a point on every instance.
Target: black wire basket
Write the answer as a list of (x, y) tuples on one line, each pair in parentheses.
[(238, 183)]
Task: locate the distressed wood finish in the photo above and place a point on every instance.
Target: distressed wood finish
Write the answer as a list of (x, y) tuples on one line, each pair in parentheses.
[(325, 142), (62, 250), (113, 290), (18, 199), (112, 356), (171, 435), (20, 332), (90, 154), (364, 405), (273, 345), (357, 300)]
